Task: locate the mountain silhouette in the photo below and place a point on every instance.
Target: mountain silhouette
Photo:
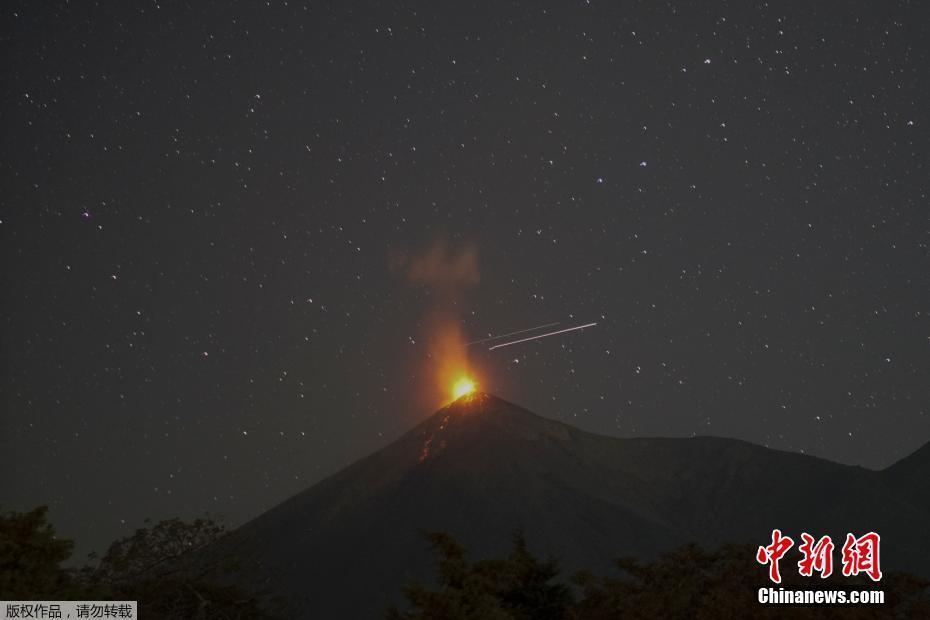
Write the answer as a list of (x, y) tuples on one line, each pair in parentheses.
[(482, 467)]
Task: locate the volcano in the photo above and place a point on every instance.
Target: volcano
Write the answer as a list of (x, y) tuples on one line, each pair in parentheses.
[(482, 467)]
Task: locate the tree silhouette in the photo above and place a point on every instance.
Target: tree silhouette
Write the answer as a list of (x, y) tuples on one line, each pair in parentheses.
[(517, 587), (690, 582), (167, 567), (31, 557), (170, 569), (686, 583)]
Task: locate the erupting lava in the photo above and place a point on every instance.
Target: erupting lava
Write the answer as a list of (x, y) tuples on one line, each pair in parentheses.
[(454, 376), (463, 386)]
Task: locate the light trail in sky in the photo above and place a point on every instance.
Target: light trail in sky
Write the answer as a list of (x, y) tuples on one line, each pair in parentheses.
[(561, 331), (519, 331)]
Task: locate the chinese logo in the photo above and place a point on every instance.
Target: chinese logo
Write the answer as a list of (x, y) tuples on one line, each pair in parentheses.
[(859, 555)]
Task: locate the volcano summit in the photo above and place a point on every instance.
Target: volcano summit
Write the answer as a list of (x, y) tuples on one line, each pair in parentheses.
[(482, 467)]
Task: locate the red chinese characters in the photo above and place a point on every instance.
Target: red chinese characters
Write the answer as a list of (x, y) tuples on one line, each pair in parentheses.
[(816, 556), (860, 555), (773, 553)]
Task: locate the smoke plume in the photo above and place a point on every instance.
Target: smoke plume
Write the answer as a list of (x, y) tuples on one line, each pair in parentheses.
[(441, 266), (447, 270)]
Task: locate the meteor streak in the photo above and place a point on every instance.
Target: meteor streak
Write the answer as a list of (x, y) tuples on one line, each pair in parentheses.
[(519, 331), (561, 331)]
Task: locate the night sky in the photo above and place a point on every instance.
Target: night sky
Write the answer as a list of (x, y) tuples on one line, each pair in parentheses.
[(213, 216)]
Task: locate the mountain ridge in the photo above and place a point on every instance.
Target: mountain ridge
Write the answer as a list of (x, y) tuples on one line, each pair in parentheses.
[(481, 467)]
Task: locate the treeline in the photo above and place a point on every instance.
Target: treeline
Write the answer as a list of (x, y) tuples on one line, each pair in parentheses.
[(166, 567), (688, 583), (159, 566)]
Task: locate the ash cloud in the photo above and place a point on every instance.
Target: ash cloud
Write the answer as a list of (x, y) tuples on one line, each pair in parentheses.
[(441, 266), (448, 270)]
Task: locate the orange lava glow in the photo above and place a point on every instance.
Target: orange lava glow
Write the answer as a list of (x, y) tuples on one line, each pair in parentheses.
[(462, 387), (453, 375)]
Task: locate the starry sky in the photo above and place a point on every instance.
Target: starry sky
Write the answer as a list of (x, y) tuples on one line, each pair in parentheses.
[(211, 213)]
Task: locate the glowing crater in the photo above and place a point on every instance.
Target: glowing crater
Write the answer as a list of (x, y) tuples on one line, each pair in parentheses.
[(462, 387)]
